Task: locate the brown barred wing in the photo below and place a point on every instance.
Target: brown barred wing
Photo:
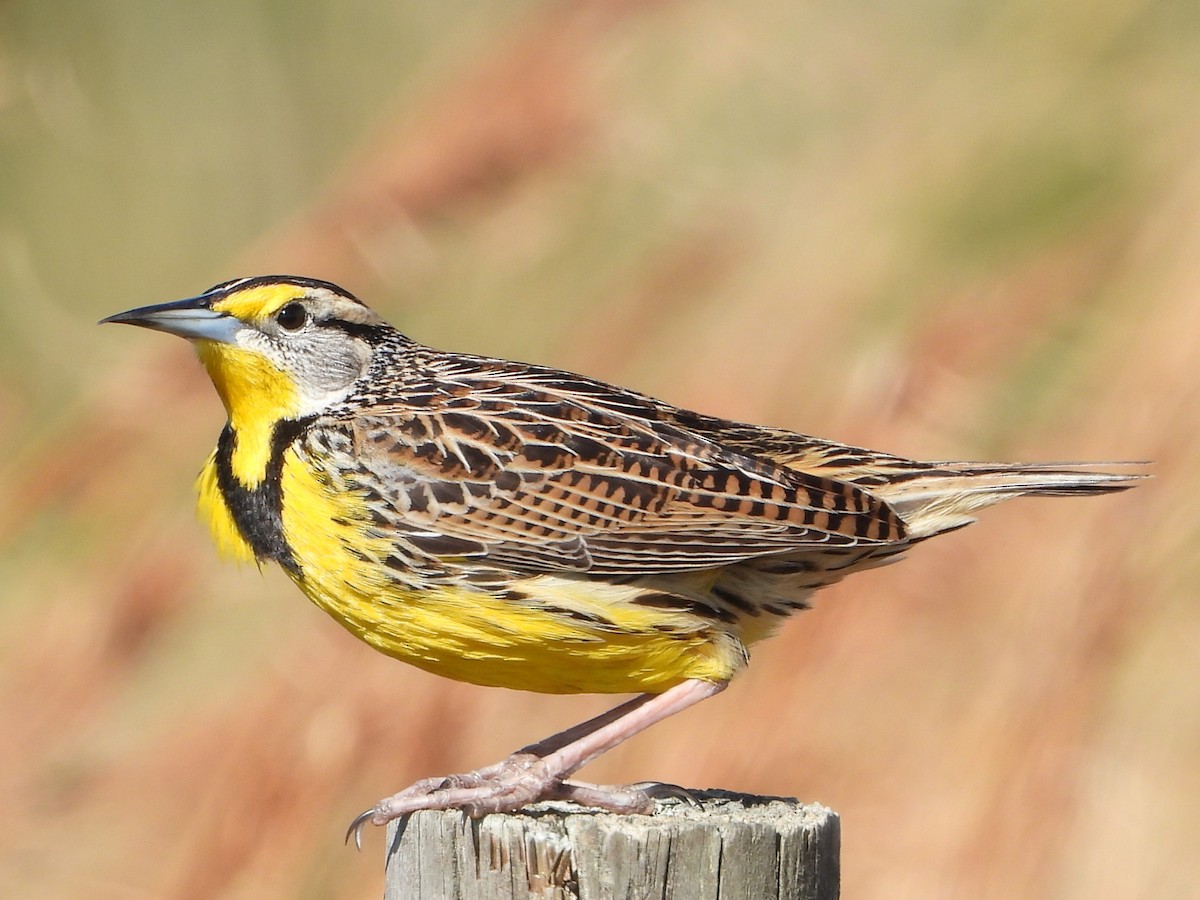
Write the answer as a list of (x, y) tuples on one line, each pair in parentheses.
[(545, 483)]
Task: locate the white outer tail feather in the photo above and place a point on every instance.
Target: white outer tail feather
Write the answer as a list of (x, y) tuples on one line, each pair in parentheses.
[(948, 494)]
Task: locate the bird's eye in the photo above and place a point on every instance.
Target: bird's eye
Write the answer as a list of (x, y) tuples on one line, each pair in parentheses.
[(292, 317)]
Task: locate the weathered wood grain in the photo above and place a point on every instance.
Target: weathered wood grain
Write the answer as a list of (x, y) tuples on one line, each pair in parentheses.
[(728, 846)]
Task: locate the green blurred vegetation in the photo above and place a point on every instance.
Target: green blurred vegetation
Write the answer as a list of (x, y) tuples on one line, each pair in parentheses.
[(144, 144)]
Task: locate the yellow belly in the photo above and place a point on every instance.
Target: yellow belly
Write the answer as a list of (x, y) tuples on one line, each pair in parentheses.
[(608, 646)]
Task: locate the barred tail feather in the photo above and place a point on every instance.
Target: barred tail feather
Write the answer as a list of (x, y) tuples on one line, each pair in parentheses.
[(945, 495)]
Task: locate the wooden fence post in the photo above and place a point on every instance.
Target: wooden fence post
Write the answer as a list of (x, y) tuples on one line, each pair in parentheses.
[(732, 846)]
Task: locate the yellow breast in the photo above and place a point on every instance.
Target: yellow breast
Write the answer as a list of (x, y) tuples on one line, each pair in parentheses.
[(560, 636)]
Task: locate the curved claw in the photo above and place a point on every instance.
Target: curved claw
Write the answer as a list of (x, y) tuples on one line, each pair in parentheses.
[(662, 790), (356, 827)]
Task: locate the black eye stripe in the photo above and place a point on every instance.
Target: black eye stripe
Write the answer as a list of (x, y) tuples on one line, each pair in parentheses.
[(369, 333)]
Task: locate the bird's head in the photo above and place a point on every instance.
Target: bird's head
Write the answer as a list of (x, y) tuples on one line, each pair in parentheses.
[(276, 347)]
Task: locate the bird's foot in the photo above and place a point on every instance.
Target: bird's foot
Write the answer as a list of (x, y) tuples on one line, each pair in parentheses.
[(540, 771), (507, 786), (504, 787)]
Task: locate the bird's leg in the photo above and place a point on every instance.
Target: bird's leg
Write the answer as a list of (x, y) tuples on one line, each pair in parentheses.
[(573, 756), (538, 771), (632, 798), (546, 746)]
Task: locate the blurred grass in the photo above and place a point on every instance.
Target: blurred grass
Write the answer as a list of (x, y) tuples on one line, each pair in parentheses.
[(947, 230)]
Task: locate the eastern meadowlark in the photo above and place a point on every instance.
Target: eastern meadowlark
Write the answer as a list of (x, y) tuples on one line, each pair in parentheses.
[(515, 525)]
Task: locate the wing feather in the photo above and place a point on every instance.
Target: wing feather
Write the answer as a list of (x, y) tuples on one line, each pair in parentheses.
[(527, 469)]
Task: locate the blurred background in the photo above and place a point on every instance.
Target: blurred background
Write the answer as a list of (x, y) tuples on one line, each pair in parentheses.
[(948, 230)]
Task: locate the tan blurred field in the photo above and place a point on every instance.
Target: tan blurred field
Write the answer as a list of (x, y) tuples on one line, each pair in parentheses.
[(945, 230)]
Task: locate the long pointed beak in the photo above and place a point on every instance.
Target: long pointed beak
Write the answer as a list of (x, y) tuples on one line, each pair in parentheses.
[(191, 318)]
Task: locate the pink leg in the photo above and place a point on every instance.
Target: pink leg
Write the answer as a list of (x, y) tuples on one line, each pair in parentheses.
[(546, 746), (537, 772), (574, 756)]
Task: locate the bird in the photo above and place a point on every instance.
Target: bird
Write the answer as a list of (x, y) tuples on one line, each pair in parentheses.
[(514, 525)]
